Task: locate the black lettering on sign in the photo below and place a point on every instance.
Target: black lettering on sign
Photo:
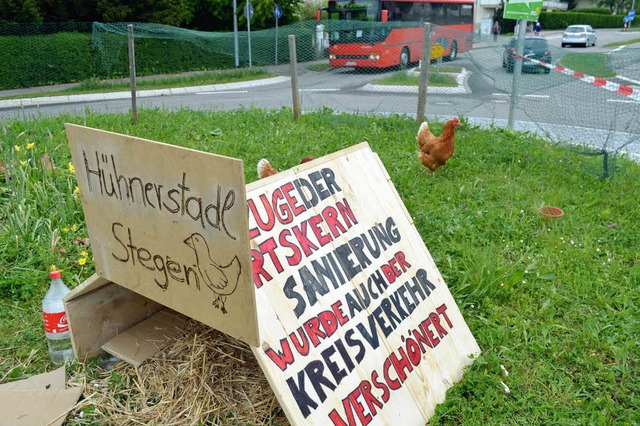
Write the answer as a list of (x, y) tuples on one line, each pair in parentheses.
[(103, 177)]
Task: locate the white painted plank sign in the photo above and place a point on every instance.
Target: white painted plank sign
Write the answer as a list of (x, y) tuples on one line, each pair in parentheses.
[(169, 223), (357, 325)]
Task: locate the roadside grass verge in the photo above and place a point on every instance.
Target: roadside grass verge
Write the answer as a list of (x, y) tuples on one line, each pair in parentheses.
[(165, 82), (438, 79), (556, 304), (594, 64), (623, 43)]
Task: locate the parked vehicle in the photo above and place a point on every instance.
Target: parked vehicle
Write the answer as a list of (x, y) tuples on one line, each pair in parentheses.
[(579, 34), (535, 47)]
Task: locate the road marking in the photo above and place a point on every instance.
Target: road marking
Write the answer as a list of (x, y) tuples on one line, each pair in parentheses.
[(319, 90), (216, 92), (628, 79), (620, 101), (523, 96)]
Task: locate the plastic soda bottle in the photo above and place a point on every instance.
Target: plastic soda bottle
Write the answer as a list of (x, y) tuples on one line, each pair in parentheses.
[(56, 329)]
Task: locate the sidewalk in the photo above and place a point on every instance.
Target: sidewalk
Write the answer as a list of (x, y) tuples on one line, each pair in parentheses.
[(63, 99)]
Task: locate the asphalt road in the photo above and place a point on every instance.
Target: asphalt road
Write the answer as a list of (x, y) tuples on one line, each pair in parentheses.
[(544, 99)]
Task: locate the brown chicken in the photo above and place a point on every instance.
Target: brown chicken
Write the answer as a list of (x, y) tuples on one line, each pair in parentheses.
[(265, 168), (436, 151)]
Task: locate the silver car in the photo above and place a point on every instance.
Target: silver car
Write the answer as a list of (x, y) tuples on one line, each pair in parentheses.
[(579, 34)]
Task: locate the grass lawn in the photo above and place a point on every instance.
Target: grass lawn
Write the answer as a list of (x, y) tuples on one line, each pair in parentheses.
[(624, 43), (437, 79), (594, 64), (554, 304)]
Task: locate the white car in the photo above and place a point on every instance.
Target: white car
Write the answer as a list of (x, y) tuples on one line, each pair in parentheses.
[(579, 34)]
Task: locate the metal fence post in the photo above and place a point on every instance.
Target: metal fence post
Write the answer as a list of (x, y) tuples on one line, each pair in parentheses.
[(424, 73), (132, 75), (517, 70), (294, 76)]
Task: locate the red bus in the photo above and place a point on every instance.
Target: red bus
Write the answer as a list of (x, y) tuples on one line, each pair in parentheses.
[(380, 34)]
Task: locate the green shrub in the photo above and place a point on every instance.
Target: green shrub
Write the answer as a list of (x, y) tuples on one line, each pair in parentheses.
[(561, 20), (27, 61), (595, 10)]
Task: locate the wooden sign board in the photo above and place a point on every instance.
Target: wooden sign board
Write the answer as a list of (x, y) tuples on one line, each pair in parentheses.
[(169, 223), (357, 325)]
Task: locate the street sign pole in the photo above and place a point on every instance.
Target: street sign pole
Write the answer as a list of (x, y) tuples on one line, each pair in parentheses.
[(248, 13), (277, 13), (235, 33)]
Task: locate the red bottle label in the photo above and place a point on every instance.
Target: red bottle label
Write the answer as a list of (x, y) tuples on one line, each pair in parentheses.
[(55, 322)]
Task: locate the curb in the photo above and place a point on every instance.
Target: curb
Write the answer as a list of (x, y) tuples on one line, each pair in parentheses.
[(461, 78), (55, 100)]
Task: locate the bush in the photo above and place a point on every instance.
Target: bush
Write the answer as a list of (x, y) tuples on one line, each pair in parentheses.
[(561, 20), (27, 61), (594, 10)]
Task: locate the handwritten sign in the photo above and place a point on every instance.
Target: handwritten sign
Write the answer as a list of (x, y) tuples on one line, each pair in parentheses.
[(356, 323), (170, 224)]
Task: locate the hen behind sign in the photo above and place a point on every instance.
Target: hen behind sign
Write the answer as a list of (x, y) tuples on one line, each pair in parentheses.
[(356, 324)]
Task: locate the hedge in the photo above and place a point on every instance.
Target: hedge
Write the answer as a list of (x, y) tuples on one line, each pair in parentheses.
[(561, 20)]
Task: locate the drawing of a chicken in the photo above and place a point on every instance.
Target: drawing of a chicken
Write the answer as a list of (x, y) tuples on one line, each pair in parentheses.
[(436, 151), (265, 169), (222, 280)]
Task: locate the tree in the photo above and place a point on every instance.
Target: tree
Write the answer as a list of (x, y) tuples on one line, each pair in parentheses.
[(19, 11), (217, 15), (615, 6)]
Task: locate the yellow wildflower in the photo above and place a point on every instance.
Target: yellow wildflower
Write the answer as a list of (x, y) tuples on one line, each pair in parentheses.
[(74, 228), (52, 268), (16, 148), (30, 145), (82, 261), (23, 163), (72, 168), (84, 253), (65, 230), (76, 191)]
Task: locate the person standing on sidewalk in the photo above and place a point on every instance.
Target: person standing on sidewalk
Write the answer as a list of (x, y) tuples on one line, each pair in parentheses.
[(496, 30), (537, 28)]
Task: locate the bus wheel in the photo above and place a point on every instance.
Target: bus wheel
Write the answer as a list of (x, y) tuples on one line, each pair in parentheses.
[(404, 58), (453, 53)]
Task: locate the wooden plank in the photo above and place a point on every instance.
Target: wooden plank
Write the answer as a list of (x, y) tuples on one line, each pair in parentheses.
[(169, 223), (98, 310), (357, 325)]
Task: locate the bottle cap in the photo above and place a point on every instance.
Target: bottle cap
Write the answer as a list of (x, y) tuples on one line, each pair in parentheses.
[(54, 274)]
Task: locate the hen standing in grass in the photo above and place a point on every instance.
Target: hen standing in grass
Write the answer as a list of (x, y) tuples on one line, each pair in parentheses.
[(436, 151)]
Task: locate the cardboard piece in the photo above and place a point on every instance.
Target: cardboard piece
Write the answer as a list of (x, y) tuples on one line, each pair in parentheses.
[(145, 339), (51, 380), (98, 309), (170, 224), (357, 325), (38, 400)]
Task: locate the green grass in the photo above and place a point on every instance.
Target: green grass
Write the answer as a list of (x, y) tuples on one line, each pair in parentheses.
[(594, 64), (319, 67), (556, 304), (196, 79), (401, 78), (622, 43)]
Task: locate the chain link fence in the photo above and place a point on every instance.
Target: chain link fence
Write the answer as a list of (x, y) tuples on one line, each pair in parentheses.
[(586, 96)]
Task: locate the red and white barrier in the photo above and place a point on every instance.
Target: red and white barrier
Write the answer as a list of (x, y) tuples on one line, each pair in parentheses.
[(620, 89)]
